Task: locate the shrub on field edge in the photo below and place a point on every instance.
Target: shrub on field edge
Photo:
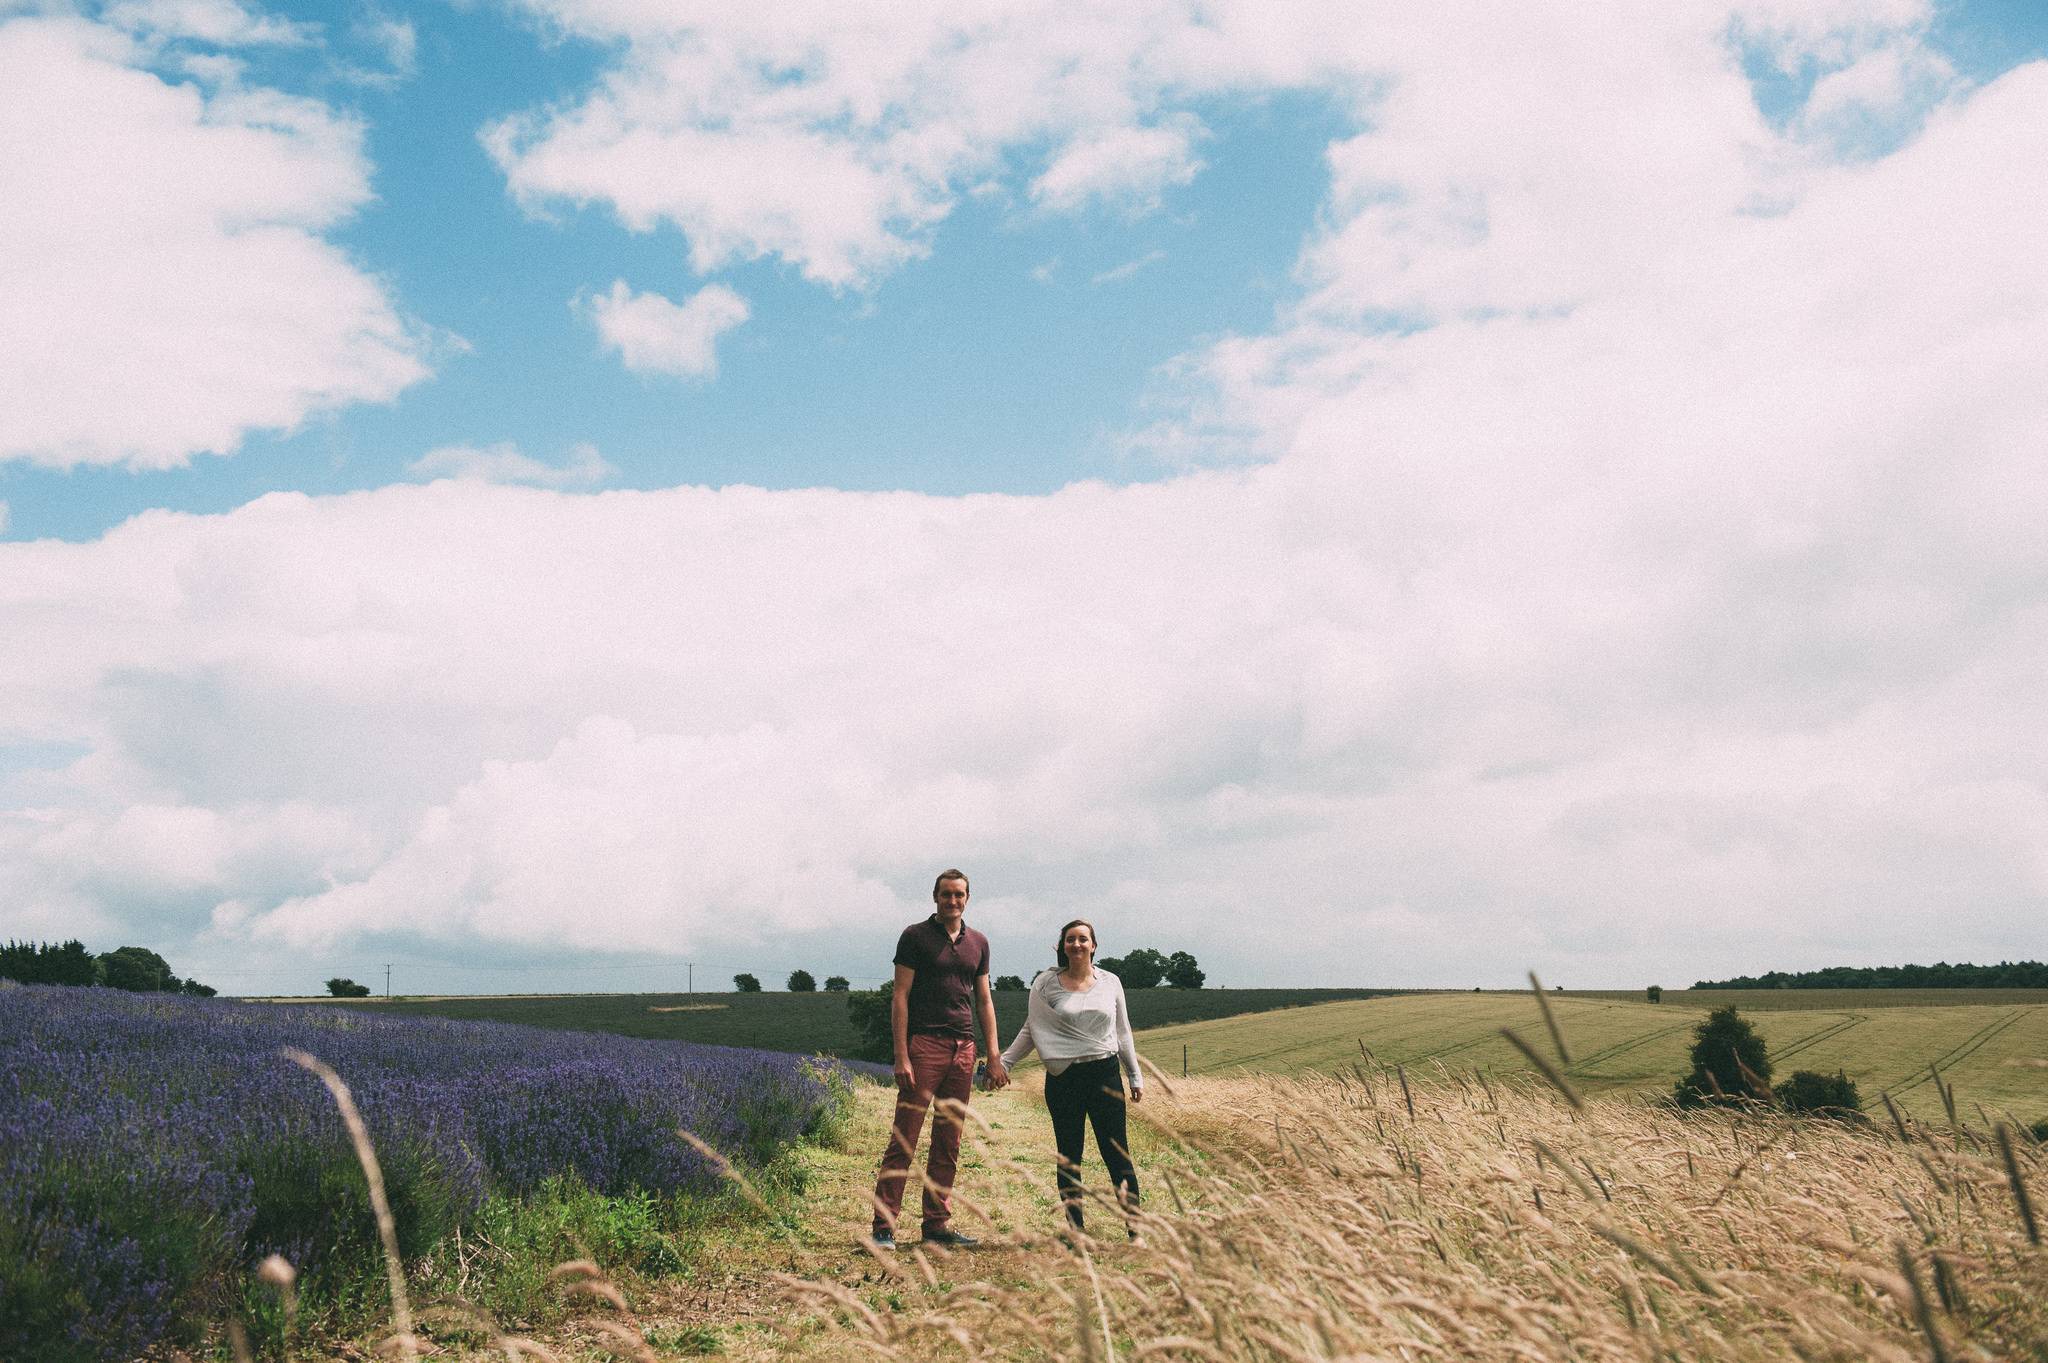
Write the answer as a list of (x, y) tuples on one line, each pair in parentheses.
[(868, 1011), (802, 982), (1009, 984), (342, 987), (746, 983), (1821, 1095), (837, 984), (1655, 993), (1724, 1046)]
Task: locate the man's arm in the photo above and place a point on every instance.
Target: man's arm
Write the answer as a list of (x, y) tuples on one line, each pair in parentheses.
[(899, 1027), (985, 1005)]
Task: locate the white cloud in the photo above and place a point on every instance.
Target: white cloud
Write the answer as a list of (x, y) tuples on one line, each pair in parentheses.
[(503, 463), (838, 136), (222, 23), (1128, 268), (655, 336), (1646, 583), (1130, 164), (164, 285)]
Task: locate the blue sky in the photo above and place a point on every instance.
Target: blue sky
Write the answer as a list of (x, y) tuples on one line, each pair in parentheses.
[(1461, 477)]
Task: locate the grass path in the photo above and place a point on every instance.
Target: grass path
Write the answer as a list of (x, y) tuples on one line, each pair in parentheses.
[(736, 1303)]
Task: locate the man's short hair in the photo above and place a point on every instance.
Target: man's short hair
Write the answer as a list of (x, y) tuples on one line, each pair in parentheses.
[(950, 873)]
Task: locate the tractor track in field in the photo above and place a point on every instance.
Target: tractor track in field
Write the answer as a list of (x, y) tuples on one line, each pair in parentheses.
[(1964, 1049), (1609, 1052), (1827, 1033)]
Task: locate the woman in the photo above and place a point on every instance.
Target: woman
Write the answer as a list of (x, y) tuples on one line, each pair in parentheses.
[(1078, 1023)]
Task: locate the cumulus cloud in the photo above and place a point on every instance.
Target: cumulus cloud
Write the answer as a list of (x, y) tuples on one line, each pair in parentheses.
[(1129, 164), (222, 23), (165, 287), (837, 137), (503, 463), (655, 336), (1645, 583)]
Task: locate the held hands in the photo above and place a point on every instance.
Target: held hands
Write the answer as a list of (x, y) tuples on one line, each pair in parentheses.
[(998, 1077)]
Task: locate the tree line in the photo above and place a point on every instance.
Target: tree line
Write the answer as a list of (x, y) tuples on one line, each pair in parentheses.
[(1940, 975), (135, 969)]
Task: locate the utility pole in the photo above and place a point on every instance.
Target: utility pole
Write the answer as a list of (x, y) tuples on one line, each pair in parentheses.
[(691, 966), (387, 981)]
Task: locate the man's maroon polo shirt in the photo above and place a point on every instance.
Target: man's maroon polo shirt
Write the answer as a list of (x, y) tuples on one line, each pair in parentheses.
[(942, 991)]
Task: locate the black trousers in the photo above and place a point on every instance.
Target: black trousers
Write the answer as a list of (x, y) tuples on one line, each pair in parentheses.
[(1090, 1092)]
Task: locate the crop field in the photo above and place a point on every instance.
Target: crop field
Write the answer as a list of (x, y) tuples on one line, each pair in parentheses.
[(152, 1148), (1617, 1045), (1857, 1000), (807, 1024)]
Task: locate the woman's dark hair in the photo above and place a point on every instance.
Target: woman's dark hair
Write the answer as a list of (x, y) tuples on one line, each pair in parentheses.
[(1059, 951)]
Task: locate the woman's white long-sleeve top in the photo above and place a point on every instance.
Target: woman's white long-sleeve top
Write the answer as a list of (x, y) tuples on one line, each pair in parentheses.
[(1065, 1026)]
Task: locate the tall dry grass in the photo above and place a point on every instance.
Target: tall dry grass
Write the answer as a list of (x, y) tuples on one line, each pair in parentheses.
[(1316, 1218)]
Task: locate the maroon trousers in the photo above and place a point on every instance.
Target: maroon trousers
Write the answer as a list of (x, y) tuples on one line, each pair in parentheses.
[(943, 1067)]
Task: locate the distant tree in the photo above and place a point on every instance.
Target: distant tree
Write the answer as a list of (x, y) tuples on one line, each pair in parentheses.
[(49, 963), (1940, 975), (1723, 1046), (344, 988), (746, 983), (1821, 1095), (1656, 993), (837, 984), (868, 1011), (801, 982), (138, 970), (1142, 969), (1182, 972), (1009, 983)]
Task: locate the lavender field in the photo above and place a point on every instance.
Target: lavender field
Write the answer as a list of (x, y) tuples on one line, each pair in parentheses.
[(153, 1149)]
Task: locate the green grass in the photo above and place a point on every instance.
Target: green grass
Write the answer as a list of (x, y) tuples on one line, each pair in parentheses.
[(1621, 1045), (810, 1024)]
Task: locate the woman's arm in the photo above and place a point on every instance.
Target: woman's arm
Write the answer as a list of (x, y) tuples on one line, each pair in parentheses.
[(1127, 1045)]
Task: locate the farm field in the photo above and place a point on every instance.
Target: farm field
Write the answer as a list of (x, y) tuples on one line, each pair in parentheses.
[(808, 1024), (1623, 1046), (1860, 1000)]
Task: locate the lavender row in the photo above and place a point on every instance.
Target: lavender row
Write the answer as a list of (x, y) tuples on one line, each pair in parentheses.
[(151, 1148)]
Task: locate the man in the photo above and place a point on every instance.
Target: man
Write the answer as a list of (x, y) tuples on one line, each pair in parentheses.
[(941, 990)]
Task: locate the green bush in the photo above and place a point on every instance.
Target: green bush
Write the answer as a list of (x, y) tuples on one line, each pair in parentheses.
[(868, 1011), (1820, 1095), (746, 983), (1724, 1046), (1009, 984), (2039, 1131), (802, 982), (1656, 993)]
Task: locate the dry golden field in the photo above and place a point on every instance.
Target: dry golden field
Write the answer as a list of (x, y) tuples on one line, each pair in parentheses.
[(1350, 1217)]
